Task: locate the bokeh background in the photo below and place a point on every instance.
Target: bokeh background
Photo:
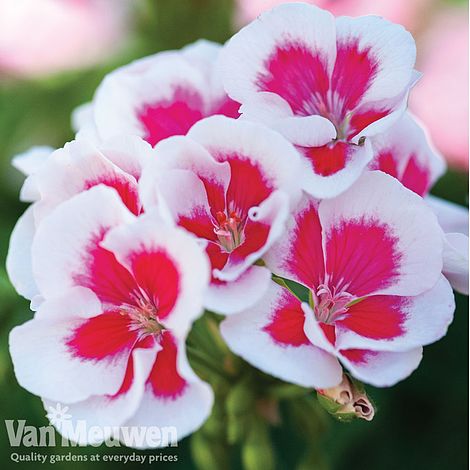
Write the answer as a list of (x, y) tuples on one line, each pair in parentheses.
[(53, 54)]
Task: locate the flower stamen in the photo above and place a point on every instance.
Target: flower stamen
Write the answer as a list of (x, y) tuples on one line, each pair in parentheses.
[(330, 305), (229, 230)]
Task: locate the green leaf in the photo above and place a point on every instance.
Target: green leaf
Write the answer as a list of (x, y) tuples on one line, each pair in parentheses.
[(208, 454), (257, 449)]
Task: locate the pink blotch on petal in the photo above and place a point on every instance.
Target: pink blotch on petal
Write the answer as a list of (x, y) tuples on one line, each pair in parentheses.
[(200, 223), (256, 235), (227, 107), (352, 76), (298, 75), (127, 191), (377, 317), (329, 159), (158, 278), (362, 256), (248, 185), (306, 256), (386, 162), (329, 331), (361, 118), (358, 356), (170, 117), (416, 177), (144, 343), (105, 276), (103, 336), (164, 379), (287, 322)]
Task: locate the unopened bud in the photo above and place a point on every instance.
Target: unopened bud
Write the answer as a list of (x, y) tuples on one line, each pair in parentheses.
[(347, 401)]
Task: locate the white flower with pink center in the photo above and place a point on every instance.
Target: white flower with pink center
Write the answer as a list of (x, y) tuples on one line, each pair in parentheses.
[(371, 260), (55, 176), (231, 183), (405, 152), (120, 295), (159, 96), (326, 84)]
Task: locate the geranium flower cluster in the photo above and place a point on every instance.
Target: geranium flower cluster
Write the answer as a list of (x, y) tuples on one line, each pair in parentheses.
[(277, 180)]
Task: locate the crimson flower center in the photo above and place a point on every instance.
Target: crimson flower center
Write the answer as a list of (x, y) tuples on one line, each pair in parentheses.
[(330, 305), (229, 230)]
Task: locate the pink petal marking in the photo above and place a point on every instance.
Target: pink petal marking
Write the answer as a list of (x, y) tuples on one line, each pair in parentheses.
[(146, 342), (158, 279), (298, 75), (287, 322), (164, 379), (200, 223), (416, 177), (103, 336), (362, 256), (170, 117), (385, 161), (128, 191), (305, 258), (227, 107), (352, 76), (105, 276), (361, 118), (358, 356), (329, 159), (377, 317), (248, 186)]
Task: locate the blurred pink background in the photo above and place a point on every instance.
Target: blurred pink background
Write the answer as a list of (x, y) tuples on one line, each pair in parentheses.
[(41, 37)]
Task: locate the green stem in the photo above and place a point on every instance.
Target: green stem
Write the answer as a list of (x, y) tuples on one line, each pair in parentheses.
[(206, 363)]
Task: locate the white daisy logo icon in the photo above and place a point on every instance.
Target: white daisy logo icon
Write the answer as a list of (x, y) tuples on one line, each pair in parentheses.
[(58, 415)]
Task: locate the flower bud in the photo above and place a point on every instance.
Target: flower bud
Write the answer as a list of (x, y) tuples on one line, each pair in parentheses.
[(347, 401)]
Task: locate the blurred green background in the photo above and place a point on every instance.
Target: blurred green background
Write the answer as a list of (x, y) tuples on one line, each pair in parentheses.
[(421, 423)]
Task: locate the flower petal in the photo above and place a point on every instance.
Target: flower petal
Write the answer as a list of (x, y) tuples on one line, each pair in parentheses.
[(453, 218), (18, 262), (174, 396), (289, 50), (168, 265), (260, 159), (374, 61), (108, 411), (31, 161), (77, 167), (333, 168), (232, 297), (182, 153), (154, 98), (298, 254), (66, 250), (381, 369), (456, 261), (62, 354), (270, 336), (405, 152), (381, 238), (392, 323)]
